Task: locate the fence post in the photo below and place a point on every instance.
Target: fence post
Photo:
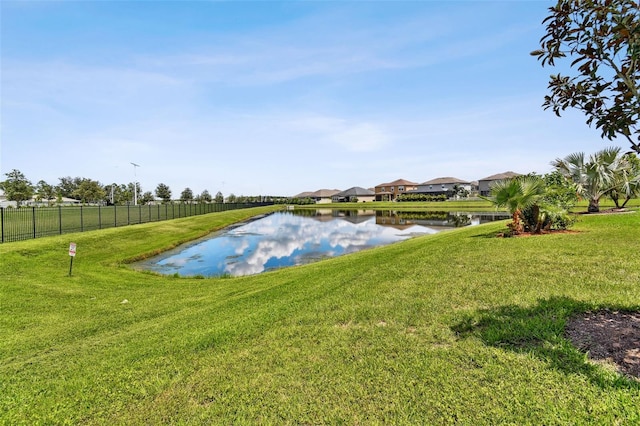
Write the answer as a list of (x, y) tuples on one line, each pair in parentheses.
[(2, 222), (139, 213), (81, 220), (128, 214), (115, 216), (60, 219), (99, 218), (33, 215)]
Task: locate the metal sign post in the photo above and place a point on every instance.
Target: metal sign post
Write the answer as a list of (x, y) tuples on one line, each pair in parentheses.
[(72, 254)]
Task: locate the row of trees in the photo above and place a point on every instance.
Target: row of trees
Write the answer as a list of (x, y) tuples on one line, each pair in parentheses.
[(18, 188), (539, 203)]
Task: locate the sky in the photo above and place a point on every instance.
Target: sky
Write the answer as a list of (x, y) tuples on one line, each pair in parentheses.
[(277, 97)]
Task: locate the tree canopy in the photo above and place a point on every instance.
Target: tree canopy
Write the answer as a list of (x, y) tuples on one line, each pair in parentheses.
[(89, 191), (606, 172), (163, 192), (17, 187), (186, 195), (44, 191), (602, 39)]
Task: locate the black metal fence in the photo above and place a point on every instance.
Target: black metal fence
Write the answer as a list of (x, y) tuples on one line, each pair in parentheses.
[(33, 222)]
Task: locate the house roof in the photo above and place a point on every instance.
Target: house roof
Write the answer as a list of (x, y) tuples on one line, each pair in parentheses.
[(324, 193), (500, 176), (443, 180), (398, 182), (304, 194), (355, 191)]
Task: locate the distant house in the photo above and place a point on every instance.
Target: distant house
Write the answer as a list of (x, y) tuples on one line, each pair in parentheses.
[(33, 202), (390, 191), (355, 193), (485, 184), (321, 196), (441, 185), (306, 194)]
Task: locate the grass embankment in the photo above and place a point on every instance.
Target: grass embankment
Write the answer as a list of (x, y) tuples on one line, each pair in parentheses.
[(458, 327)]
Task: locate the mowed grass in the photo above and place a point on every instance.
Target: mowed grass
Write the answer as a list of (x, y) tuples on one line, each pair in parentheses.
[(454, 328)]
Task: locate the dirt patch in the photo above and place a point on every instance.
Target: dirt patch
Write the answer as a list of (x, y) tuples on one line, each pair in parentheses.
[(608, 336)]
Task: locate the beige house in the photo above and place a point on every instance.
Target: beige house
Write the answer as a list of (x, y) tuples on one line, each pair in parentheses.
[(321, 196), (390, 191)]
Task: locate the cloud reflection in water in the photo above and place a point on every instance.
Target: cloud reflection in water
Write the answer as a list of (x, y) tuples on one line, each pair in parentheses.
[(278, 240)]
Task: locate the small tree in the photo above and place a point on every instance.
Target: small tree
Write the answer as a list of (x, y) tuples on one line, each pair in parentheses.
[(205, 197), (67, 186), (219, 197), (187, 195), (594, 176), (163, 192), (602, 37), (459, 191), (627, 181), (517, 195), (89, 191), (46, 192), (146, 198), (17, 187)]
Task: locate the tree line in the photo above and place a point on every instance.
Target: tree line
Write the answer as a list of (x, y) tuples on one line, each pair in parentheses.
[(18, 188)]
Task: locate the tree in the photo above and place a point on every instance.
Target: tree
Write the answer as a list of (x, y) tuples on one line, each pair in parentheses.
[(219, 197), (44, 191), (205, 197), (459, 191), (595, 176), (17, 187), (163, 192), (89, 191), (627, 181), (603, 39), (517, 195), (187, 195), (146, 198), (115, 194), (134, 190), (231, 198), (67, 186)]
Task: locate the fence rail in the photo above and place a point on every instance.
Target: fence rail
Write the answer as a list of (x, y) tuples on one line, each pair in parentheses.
[(26, 223)]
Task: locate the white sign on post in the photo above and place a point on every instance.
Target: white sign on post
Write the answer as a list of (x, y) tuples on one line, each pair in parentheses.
[(72, 249)]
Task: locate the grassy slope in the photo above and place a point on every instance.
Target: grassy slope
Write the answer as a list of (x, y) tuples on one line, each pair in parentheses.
[(456, 327)]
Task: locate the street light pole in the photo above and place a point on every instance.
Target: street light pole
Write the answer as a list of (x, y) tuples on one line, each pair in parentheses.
[(135, 184)]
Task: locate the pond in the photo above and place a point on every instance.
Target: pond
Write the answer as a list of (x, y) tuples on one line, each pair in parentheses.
[(302, 236)]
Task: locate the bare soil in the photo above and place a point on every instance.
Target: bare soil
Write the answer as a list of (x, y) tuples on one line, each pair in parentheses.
[(609, 336)]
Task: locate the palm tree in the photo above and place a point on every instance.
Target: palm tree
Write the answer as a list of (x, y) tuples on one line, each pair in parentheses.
[(627, 181), (517, 195), (595, 176)]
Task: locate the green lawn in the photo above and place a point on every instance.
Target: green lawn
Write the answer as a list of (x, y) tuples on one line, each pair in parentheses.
[(458, 327)]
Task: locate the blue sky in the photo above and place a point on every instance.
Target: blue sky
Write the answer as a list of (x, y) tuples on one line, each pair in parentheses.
[(277, 97)]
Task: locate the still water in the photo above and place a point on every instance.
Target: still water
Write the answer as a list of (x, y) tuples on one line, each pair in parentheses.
[(298, 237)]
